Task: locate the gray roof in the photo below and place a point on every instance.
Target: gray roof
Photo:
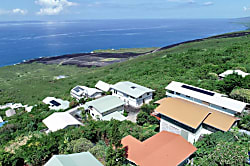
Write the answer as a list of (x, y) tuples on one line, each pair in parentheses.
[(76, 159), (115, 115), (131, 88), (105, 103)]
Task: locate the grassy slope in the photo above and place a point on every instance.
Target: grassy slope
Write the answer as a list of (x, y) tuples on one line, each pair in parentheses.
[(188, 63)]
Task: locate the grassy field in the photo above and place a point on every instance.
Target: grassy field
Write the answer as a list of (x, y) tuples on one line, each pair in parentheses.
[(190, 63)]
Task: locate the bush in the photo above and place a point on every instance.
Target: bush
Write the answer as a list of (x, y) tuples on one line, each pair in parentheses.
[(79, 145), (241, 94), (143, 118)]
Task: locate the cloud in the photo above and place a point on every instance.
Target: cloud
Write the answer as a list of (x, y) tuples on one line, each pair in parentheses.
[(246, 8), (209, 3), (19, 11), (16, 11), (53, 7)]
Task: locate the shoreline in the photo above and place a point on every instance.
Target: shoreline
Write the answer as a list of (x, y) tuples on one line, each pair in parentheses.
[(99, 59)]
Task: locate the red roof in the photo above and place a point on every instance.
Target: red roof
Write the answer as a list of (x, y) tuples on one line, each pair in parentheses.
[(162, 149)]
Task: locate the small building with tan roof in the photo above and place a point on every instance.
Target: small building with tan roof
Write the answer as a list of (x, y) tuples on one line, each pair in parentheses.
[(164, 148), (191, 120)]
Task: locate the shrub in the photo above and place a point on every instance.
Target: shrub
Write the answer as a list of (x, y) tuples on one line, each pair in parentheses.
[(79, 145)]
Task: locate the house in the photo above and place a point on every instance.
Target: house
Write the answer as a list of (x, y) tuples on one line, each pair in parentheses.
[(228, 72), (206, 98), (191, 120), (106, 108), (1, 120), (10, 112), (103, 86), (80, 92), (132, 94), (162, 149), (76, 159), (56, 104), (60, 120)]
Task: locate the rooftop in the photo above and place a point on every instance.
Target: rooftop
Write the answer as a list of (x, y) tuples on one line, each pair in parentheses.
[(103, 86), (239, 72), (131, 89), (76, 159), (183, 111), (115, 115), (56, 104), (208, 96), (60, 120), (164, 148), (84, 89), (105, 103), (193, 115)]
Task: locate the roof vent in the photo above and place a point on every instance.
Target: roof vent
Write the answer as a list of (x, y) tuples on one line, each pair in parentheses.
[(133, 87)]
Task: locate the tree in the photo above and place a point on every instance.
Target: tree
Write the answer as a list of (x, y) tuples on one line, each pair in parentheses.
[(79, 145), (148, 108), (115, 156), (230, 82), (142, 118), (9, 159), (114, 134)]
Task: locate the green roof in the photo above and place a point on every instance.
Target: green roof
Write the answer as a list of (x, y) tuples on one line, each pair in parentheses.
[(105, 103), (115, 115), (76, 159), (131, 89)]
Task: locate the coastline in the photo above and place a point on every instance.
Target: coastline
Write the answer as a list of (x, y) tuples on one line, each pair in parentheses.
[(99, 59)]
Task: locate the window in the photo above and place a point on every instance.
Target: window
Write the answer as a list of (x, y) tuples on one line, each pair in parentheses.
[(93, 114), (224, 108), (187, 96), (169, 91), (148, 94), (178, 94)]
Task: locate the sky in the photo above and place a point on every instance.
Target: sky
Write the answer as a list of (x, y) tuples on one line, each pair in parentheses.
[(17, 10)]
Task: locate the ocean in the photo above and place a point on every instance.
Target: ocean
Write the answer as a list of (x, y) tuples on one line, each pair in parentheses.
[(28, 40)]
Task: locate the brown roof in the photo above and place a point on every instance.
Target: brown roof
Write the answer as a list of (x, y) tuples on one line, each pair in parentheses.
[(162, 149), (220, 120), (160, 101), (183, 111), (192, 114)]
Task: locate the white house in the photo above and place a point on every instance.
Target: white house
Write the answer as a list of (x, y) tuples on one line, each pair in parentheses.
[(132, 94), (206, 98), (228, 72), (80, 92), (106, 108), (191, 120), (1, 120), (56, 104), (103, 86), (60, 120)]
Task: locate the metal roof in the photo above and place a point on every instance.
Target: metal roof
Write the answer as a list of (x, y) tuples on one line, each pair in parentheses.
[(60, 120), (115, 115), (131, 89), (216, 99), (63, 103), (164, 148), (193, 115), (79, 90), (239, 72), (105, 103), (103, 86), (76, 159)]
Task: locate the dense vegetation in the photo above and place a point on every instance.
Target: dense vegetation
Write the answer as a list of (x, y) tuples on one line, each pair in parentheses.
[(196, 63)]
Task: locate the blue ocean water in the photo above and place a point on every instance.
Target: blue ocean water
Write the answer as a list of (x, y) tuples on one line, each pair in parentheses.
[(28, 40)]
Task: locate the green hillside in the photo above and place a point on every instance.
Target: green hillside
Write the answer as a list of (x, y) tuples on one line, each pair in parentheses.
[(193, 63), (196, 63)]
